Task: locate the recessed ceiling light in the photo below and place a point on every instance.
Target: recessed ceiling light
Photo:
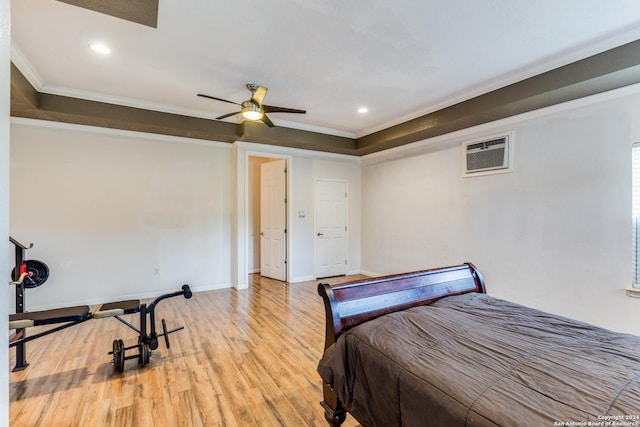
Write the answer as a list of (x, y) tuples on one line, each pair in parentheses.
[(100, 48), (363, 110)]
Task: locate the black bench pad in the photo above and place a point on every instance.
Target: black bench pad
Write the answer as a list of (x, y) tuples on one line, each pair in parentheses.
[(117, 308), (49, 317)]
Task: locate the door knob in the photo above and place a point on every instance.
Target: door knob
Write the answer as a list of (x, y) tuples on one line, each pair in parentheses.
[(320, 234)]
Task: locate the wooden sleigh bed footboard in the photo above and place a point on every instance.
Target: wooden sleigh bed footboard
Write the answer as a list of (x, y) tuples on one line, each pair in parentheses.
[(351, 303)]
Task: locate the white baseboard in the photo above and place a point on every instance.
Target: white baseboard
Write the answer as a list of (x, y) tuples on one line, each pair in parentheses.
[(369, 273), (301, 279)]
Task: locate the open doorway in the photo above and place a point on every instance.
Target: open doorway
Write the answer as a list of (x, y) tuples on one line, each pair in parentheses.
[(267, 249)]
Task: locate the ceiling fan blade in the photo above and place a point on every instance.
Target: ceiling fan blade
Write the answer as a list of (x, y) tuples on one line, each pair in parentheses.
[(273, 109), (258, 96), (267, 121), (228, 115), (217, 99)]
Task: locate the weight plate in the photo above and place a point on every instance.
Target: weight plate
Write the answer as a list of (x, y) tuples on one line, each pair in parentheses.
[(39, 273), (165, 333), (118, 355), (145, 354)]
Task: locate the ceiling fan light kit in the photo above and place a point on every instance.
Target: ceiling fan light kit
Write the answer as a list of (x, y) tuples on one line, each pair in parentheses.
[(250, 111), (253, 108)]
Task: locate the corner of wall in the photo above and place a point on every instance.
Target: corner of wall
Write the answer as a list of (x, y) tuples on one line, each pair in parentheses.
[(4, 200)]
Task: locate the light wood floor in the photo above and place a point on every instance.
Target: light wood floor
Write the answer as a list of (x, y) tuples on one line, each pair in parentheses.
[(245, 358)]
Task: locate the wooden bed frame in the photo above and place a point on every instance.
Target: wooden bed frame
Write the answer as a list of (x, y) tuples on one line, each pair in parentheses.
[(351, 303)]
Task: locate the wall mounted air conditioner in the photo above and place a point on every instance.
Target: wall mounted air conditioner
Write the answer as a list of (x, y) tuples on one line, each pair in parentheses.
[(488, 155)]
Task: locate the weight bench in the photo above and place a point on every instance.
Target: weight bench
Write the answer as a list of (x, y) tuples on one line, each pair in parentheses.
[(29, 274), (76, 314), (49, 317), (71, 316)]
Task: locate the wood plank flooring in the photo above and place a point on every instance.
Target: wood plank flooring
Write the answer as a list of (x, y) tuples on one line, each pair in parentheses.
[(245, 358)]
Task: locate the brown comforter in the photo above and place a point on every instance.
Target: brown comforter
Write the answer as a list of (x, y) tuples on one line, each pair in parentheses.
[(479, 361)]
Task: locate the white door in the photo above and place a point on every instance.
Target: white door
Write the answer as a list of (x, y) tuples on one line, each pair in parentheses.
[(273, 193), (331, 228)]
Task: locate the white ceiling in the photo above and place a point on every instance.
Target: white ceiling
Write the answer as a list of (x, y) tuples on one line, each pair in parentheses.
[(401, 59)]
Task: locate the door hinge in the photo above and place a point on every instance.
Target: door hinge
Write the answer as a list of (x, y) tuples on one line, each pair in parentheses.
[(345, 262)]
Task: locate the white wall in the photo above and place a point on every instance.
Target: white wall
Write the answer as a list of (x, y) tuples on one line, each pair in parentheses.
[(119, 214), (302, 238), (554, 234), (305, 173), (4, 201)]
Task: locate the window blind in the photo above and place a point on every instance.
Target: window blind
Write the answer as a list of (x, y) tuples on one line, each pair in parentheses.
[(636, 215)]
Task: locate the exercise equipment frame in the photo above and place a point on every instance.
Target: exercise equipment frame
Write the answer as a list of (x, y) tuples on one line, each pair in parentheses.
[(38, 273)]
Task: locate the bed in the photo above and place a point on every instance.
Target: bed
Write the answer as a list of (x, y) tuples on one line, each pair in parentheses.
[(431, 348)]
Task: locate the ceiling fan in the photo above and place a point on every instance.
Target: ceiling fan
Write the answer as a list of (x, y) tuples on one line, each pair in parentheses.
[(253, 108)]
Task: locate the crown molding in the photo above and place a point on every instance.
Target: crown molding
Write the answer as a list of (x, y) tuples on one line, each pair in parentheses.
[(26, 68), (145, 136)]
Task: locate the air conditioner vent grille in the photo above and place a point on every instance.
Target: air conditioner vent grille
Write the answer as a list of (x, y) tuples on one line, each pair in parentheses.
[(491, 155), (486, 160)]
